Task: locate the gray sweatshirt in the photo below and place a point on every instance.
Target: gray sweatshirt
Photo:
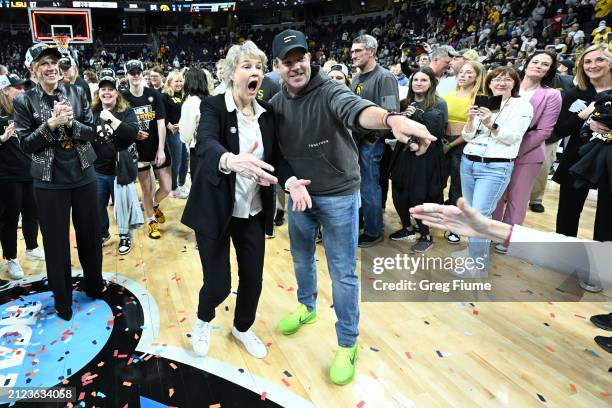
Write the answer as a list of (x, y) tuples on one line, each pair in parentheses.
[(313, 134), (380, 87)]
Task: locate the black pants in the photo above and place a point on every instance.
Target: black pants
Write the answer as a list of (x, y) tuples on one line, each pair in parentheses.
[(18, 198), (384, 174), (453, 166), (54, 212), (248, 236), (403, 203), (571, 203)]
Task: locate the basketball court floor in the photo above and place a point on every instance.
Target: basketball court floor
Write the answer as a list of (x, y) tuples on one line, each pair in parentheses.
[(133, 348)]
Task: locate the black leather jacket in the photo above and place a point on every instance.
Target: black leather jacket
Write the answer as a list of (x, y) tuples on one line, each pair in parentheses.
[(36, 138)]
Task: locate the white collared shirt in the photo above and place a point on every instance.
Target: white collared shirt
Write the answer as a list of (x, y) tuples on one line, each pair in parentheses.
[(247, 199)]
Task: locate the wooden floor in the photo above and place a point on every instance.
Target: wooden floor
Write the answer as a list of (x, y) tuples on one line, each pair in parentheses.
[(426, 354)]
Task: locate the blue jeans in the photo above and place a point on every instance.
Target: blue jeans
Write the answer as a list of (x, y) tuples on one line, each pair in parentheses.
[(339, 217), (180, 158), (369, 167), (483, 184), (106, 189)]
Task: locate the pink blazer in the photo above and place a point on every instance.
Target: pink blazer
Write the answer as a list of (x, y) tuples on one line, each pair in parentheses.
[(546, 104)]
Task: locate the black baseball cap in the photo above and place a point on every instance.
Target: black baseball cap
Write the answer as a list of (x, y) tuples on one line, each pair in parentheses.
[(286, 41), (132, 65), (9, 80), (107, 76), (37, 51)]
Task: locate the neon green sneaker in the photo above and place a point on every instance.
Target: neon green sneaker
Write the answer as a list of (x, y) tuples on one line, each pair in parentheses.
[(342, 370), (292, 322)]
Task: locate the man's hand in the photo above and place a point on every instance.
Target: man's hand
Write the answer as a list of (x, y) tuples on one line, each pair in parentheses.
[(299, 195), (403, 129), (249, 166)]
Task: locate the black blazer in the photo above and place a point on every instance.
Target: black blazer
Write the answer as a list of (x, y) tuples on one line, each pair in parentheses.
[(211, 199)]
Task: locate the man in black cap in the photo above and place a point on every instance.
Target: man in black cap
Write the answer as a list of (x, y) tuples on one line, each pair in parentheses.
[(314, 114)]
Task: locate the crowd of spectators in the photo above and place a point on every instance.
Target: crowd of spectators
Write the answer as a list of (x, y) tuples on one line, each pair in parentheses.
[(503, 32)]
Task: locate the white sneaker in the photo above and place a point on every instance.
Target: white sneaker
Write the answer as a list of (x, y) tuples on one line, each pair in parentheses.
[(19, 222), (14, 269), (180, 193), (501, 249), (251, 342), (35, 255), (200, 338)]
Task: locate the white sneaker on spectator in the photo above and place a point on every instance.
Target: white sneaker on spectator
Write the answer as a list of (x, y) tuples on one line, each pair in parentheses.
[(180, 193), (19, 222), (35, 255), (200, 338), (251, 342), (14, 269)]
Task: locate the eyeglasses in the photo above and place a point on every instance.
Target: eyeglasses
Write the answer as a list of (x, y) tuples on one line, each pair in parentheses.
[(499, 80)]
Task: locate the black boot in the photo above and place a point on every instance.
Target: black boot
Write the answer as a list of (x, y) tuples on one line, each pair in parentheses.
[(603, 321), (604, 342)]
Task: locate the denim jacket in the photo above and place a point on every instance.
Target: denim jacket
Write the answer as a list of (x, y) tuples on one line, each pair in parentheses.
[(31, 115)]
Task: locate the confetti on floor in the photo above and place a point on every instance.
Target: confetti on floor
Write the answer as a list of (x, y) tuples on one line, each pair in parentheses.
[(361, 404), (572, 388), (264, 396), (287, 373), (552, 350), (286, 382), (407, 353), (541, 397), (374, 349)]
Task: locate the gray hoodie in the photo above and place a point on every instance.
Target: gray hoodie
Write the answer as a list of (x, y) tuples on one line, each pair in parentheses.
[(314, 137)]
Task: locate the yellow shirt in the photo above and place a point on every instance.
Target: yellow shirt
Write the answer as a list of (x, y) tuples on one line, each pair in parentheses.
[(458, 107)]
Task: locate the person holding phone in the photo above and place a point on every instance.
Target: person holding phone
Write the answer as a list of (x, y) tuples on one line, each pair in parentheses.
[(470, 81), (16, 184), (538, 76), (416, 179), (493, 141), (593, 75)]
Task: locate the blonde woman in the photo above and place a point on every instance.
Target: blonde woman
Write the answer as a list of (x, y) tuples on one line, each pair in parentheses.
[(231, 199), (173, 100), (593, 76), (470, 82)]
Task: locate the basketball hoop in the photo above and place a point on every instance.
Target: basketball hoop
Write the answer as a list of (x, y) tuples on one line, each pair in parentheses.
[(61, 42)]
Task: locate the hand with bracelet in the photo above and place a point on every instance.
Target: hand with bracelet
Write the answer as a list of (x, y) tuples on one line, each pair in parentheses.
[(409, 132)]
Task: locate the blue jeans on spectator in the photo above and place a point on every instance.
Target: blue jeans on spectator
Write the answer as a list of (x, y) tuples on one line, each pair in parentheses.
[(369, 166), (179, 154), (106, 189), (339, 217), (483, 184)]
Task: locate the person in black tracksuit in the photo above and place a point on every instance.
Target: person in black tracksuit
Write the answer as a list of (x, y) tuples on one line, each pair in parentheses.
[(55, 125), (16, 184)]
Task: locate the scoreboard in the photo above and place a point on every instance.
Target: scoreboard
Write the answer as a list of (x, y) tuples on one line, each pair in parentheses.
[(161, 7)]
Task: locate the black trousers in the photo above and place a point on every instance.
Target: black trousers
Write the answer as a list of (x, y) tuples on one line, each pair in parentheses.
[(248, 236), (402, 204), (571, 203), (18, 198), (385, 161), (54, 212), (453, 166)]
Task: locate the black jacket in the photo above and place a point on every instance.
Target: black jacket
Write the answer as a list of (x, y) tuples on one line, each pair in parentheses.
[(211, 199), (36, 138)]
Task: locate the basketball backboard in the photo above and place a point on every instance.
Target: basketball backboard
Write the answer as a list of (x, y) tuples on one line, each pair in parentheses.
[(48, 23)]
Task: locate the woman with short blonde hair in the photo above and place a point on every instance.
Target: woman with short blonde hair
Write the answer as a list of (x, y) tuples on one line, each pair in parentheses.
[(248, 49), (593, 76)]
